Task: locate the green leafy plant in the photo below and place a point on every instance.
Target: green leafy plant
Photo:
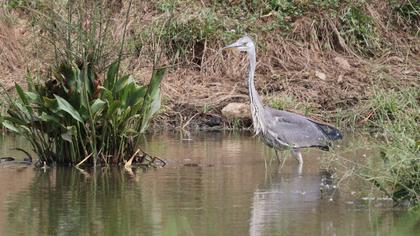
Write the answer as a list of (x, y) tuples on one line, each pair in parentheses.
[(83, 107), (74, 116)]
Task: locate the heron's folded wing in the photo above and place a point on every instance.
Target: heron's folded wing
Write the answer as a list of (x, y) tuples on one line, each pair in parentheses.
[(295, 130)]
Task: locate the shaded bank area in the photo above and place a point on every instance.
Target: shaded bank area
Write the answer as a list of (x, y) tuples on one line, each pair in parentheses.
[(321, 58)]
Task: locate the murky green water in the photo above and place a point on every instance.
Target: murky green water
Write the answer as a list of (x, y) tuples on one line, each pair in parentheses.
[(214, 184)]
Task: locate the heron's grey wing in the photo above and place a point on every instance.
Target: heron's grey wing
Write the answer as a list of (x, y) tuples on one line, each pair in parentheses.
[(295, 130)]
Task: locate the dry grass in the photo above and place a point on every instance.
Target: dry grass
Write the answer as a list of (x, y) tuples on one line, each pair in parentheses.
[(12, 58), (287, 65)]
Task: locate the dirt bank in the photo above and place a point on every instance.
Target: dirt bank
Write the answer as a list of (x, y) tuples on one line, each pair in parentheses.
[(312, 67)]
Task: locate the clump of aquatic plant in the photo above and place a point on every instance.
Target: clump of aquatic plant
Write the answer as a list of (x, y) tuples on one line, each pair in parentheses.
[(83, 108), (75, 115)]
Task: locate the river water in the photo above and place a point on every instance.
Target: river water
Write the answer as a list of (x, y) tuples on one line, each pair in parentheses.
[(214, 184)]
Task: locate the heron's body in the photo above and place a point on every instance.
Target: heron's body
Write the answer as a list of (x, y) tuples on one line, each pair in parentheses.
[(288, 130), (281, 129)]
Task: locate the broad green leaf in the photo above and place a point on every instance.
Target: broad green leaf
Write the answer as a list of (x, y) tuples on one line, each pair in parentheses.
[(30, 82), (151, 102), (48, 118), (152, 109), (68, 135), (137, 107), (23, 110), (79, 81), (67, 107), (85, 88), (112, 108), (97, 105), (22, 95), (50, 103), (24, 128), (111, 75), (137, 95), (124, 115), (10, 126), (84, 113), (155, 103), (33, 96), (157, 77), (16, 120), (66, 72), (122, 83), (89, 80), (106, 94), (127, 92)]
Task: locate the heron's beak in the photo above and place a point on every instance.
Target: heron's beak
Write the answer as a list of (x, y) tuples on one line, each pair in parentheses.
[(231, 46)]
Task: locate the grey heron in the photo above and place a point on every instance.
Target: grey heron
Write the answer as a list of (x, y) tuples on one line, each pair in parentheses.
[(280, 129)]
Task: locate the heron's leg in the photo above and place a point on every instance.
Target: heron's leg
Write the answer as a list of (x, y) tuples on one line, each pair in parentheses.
[(296, 154), (299, 169), (277, 155)]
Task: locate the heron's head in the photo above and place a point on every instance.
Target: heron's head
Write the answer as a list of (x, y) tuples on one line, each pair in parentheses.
[(244, 44)]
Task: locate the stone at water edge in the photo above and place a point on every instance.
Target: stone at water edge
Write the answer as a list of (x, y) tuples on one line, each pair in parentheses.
[(320, 75), (343, 63), (236, 110)]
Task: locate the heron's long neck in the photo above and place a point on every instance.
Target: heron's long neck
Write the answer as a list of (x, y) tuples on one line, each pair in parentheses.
[(253, 94), (256, 104)]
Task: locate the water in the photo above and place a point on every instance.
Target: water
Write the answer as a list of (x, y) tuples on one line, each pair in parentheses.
[(214, 184)]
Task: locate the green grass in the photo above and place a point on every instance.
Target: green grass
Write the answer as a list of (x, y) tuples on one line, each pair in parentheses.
[(408, 12), (290, 104), (359, 30), (393, 117), (187, 25), (22, 4)]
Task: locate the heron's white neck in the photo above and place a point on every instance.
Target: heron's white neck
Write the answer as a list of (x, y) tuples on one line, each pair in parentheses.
[(256, 104)]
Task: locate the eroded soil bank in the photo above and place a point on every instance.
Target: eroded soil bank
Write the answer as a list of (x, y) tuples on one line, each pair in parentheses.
[(322, 59)]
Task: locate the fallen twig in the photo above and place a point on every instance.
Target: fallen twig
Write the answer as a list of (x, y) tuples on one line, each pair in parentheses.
[(153, 157), (84, 160), (127, 165)]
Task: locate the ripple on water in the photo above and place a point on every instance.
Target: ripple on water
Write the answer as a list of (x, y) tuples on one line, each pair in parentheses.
[(214, 184)]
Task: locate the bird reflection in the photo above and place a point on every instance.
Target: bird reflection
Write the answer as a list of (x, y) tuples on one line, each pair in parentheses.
[(283, 200)]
